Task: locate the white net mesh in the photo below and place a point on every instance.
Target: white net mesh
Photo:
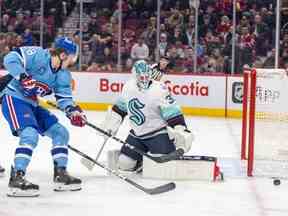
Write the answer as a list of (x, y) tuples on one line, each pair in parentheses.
[(271, 123)]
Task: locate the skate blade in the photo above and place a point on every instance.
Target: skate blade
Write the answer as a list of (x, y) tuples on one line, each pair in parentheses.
[(16, 192), (59, 187)]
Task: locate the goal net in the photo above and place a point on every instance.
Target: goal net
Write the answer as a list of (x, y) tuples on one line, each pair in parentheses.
[(265, 122)]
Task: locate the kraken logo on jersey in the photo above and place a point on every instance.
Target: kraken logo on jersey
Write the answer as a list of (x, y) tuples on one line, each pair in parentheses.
[(135, 107)]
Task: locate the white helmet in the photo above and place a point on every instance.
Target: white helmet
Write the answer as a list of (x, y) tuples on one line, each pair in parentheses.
[(143, 74)]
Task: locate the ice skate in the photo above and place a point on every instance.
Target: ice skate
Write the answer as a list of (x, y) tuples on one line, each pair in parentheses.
[(65, 182), (20, 187)]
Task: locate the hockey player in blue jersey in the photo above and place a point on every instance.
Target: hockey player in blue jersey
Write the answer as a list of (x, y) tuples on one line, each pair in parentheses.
[(38, 72), (156, 121)]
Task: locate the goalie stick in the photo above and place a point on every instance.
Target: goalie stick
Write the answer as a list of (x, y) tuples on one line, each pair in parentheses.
[(152, 191), (158, 159), (90, 164)]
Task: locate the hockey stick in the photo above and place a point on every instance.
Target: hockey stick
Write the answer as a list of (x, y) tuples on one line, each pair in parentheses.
[(88, 163), (158, 159), (157, 190)]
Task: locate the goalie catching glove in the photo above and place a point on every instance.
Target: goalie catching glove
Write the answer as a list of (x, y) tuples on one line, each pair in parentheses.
[(182, 137), (76, 115)]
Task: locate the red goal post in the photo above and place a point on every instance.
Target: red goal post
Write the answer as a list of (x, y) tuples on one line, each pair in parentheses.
[(265, 122)]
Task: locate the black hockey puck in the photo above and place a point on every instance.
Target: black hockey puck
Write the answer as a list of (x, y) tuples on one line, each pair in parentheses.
[(276, 182)]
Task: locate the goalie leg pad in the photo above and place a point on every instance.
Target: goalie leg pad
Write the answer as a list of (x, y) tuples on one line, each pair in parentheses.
[(112, 159), (202, 168), (126, 163)]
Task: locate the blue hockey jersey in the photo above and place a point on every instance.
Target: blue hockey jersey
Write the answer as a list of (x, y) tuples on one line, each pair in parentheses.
[(36, 62)]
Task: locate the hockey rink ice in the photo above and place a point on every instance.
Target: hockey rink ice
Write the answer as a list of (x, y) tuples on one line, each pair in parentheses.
[(103, 195)]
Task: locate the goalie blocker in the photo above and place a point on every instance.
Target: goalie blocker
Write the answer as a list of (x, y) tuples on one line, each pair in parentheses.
[(202, 168)]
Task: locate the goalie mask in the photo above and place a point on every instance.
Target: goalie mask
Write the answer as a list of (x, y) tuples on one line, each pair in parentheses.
[(143, 74)]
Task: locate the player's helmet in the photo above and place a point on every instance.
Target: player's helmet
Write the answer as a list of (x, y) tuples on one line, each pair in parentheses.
[(67, 44), (143, 73)]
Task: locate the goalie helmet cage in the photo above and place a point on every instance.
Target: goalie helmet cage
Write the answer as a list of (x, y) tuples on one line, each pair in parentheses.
[(265, 122)]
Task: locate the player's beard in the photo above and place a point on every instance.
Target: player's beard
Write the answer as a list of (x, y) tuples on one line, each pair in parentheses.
[(69, 61)]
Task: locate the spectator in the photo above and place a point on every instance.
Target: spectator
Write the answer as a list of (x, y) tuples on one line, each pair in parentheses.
[(180, 49), (163, 29), (189, 36), (149, 36), (86, 32), (211, 42), (246, 45), (140, 50), (205, 26), (210, 11), (270, 60), (36, 29), (107, 60), (18, 41), (188, 63), (190, 22), (5, 23), (97, 47), (268, 16), (219, 61), (167, 4), (163, 44), (93, 25), (176, 19), (27, 37), (86, 54), (94, 67), (176, 36), (174, 57), (260, 31), (224, 26), (105, 36), (4, 48), (20, 24), (128, 65), (153, 22)]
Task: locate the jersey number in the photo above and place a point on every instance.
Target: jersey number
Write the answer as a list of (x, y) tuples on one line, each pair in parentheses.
[(135, 107), (31, 51)]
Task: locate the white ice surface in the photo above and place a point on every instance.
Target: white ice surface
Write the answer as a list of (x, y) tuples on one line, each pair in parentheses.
[(105, 195)]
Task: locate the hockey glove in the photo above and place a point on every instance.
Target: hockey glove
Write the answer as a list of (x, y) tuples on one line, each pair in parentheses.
[(183, 138), (28, 85), (76, 115)]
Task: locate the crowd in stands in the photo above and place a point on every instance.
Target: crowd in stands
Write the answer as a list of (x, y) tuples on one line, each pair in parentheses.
[(255, 33), (21, 20)]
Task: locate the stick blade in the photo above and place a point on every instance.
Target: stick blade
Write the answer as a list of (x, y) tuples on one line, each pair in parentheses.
[(161, 189), (87, 163), (171, 156)]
